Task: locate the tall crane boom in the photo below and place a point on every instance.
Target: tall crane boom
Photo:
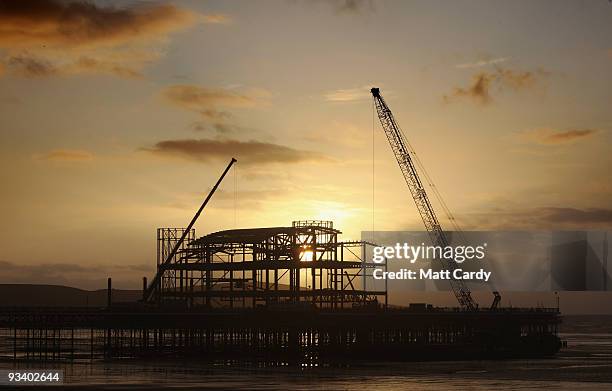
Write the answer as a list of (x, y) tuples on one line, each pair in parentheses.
[(401, 150)]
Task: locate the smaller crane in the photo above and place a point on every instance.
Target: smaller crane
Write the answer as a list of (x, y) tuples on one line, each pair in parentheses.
[(156, 280)]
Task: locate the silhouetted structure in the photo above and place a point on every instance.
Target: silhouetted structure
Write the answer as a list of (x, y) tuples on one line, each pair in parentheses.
[(283, 295), (277, 337), (283, 266)]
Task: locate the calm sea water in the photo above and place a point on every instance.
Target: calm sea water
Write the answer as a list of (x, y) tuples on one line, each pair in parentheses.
[(586, 364)]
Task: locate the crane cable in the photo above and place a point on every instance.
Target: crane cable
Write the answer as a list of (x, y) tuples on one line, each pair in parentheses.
[(373, 172), (449, 215), (447, 212), (235, 196)]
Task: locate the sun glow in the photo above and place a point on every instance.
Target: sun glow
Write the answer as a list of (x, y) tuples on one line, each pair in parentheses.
[(337, 212), (306, 256)]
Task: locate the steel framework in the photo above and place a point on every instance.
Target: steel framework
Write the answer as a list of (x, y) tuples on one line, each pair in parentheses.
[(300, 265)]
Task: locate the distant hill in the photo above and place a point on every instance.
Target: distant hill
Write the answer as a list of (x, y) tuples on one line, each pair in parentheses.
[(34, 295)]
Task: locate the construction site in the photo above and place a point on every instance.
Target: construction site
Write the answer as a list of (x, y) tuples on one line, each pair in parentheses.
[(295, 294)]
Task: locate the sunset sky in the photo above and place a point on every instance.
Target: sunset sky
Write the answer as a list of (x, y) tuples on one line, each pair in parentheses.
[(117, 118)]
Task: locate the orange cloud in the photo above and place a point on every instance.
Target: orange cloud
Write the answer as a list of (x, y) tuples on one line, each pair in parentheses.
[(35, 67), (27, 23), (518, 80), (247, 152), (547, 136), (67, 155), (203, 99), (32, 67), (216, 18), (479, 91), (92, 65), (212, 103), (45, 38)]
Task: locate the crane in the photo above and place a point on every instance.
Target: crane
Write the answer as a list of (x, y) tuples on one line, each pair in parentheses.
[(149, 291), (402, 149)]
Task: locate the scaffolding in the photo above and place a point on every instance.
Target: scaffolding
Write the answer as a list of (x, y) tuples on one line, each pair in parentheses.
[(300, 265), (167, 238)]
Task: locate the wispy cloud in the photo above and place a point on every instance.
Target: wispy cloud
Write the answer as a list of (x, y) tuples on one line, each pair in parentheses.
[(221, 128), (345, 7), (577, 216), (216, 18), (28, 66), (96, 65), (547, 136), (482, 63), (479, 91), (348, 95), (32, 67), (352, 6), (205, 100), (66, 155), (247, 152), (547, 217), (212, 104)]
